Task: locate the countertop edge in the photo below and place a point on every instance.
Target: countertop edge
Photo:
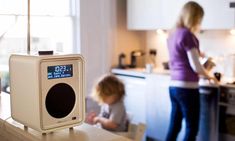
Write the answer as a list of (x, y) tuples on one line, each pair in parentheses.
[(138, 72)]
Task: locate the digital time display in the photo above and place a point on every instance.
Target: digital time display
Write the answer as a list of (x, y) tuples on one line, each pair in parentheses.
[(60, 71)]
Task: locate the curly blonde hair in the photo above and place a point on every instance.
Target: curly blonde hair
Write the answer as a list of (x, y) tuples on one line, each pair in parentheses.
[(108, 85)]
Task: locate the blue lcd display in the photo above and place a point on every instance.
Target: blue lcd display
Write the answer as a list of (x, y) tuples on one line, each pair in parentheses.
[(59, 71)]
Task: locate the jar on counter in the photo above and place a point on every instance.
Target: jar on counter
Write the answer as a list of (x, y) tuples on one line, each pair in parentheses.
[(149, 68), (122, 61)]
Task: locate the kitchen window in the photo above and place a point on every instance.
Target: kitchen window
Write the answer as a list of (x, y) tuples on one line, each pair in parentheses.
[(54, 26)]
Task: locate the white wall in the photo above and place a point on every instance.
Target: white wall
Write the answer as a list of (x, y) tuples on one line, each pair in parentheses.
[(215, 43), (104, 36), (220, 45), (95, 35), (158, 42), (125, 40)]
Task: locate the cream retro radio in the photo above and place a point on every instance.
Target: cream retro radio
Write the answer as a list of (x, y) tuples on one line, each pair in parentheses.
[(47, 92)]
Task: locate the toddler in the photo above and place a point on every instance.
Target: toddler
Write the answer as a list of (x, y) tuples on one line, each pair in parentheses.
[(109, 93)]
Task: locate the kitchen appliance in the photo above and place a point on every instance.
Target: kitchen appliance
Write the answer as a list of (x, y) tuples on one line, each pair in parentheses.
[(121, 61), (151, 57), (166, 65), (137, 59), (217, 75), (47, 91), (227, 113)]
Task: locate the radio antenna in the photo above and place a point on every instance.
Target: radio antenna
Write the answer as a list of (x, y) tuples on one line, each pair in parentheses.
[(28, 29)]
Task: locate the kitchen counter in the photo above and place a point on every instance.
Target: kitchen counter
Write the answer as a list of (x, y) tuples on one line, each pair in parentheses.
[(141, 73), (138, 72), (11, 130)]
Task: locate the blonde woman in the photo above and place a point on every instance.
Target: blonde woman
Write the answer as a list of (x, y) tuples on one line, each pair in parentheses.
[(185, 68), (109, 92)]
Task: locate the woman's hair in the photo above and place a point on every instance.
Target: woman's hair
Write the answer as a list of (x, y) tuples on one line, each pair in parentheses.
[(108, 85), (191, 14)]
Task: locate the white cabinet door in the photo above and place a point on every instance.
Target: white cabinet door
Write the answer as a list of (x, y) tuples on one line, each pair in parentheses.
[(155, 14), (171, 10), (144, 14), (158, 107), (135, 99), (218, 14), (152, 14)]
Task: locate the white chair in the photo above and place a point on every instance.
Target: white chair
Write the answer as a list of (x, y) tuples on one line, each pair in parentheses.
[(135, 131)]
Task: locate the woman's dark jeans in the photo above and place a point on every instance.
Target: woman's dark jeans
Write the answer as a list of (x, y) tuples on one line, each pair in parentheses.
[(185, 104)]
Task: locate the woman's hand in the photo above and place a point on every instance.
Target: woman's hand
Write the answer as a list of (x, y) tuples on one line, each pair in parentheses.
[(214, 80), (202, 54)]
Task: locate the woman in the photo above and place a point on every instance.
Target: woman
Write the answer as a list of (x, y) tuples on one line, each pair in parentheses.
[(185, 67)]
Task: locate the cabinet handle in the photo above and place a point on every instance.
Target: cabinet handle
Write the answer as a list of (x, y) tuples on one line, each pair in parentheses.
[(232, 4)]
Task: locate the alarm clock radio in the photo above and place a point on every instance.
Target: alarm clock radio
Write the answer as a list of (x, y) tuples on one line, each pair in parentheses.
[(47, 91)]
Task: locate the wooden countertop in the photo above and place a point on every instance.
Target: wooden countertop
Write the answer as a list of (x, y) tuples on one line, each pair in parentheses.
[(11, 130)]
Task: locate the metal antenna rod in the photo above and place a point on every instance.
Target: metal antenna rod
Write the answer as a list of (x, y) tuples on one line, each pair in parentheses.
[(28, 29)]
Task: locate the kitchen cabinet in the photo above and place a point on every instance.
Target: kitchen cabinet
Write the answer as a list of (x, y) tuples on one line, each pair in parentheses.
[(155, 14), (152, 14), (135, 99), (209, 113), (218, 14), (158, 107), (143, 14), (170, 12)]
